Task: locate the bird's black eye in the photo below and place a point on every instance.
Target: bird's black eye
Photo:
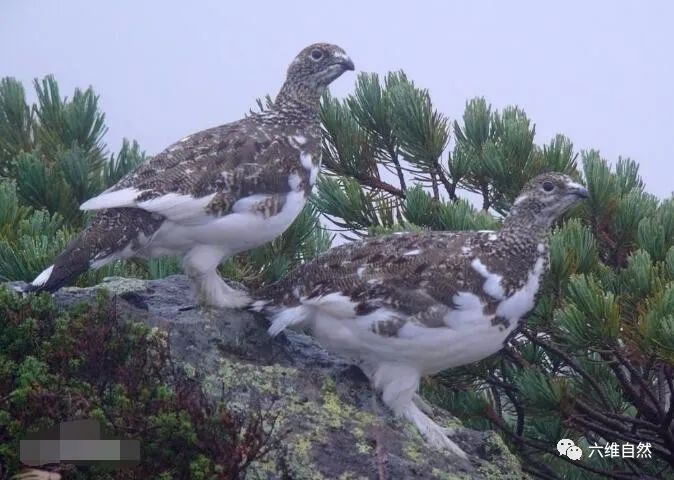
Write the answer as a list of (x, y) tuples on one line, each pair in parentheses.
[(316, 54), (548, 186)]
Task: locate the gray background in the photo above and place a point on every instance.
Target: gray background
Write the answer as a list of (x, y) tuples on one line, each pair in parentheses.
[(600, 72)]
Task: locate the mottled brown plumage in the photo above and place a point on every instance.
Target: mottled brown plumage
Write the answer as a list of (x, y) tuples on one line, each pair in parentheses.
[(412, 271), (214, 193), (410, 304)]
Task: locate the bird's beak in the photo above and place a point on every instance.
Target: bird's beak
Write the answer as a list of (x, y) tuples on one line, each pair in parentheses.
[(578, 189), (344, 61), (347, 64)]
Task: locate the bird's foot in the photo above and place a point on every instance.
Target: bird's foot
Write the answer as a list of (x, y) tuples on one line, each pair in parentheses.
[(212, 291), (434, 434), (224, 296), (423, 405), (231, 299), (438, 438)]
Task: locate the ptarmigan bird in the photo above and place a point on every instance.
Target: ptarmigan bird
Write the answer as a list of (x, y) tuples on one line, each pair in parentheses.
[(215, 193), (411, 304)]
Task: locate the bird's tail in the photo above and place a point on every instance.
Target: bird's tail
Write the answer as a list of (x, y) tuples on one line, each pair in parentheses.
[(103, 241), (71, 263)]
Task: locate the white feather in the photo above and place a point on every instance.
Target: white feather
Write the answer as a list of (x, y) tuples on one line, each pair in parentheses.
[(333, 304), (178, 207), (468, 311), (240, 230), (125, 197), (258, 305), (313, 175), (174, 206), (522, 301), (306, 161), (42, 278), (492, 285), (287, 318), (520, 199), (294, 181), (297, 139), (246, 204), (341, 55), (575, 185)]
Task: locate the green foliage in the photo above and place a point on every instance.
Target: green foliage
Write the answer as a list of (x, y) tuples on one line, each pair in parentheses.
[(30, 239), (16, 123), (573, 249), (347, 205), (595, 361), (87, 363), (54, 149), (422, 131), (388, 133), (65, 163), (52, 158), (422, 209), (128, 158)]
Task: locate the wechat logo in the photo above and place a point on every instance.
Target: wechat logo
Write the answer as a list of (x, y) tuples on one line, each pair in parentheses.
[(568, 448)]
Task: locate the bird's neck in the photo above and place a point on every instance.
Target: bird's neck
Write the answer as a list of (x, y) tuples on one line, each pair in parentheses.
[(526, 226), (300, 97), (530, 219)]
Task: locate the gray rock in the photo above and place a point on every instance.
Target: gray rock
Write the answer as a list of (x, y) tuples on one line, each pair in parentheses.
[(335, 426)]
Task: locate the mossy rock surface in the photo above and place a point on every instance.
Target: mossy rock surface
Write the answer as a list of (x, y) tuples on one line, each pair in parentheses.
[(332, 424)]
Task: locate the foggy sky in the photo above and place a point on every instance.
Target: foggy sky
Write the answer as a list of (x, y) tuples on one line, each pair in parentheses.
[(600, 72)]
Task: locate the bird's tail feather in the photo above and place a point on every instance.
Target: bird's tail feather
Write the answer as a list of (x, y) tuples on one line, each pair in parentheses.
[(109, 234), (71, 263)]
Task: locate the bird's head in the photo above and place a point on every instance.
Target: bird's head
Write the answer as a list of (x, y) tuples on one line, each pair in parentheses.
[(314, 69), (545, 198), (319, 64)]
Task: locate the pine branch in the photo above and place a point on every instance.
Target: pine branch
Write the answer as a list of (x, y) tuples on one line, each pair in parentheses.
[(612, 435), (571, 362), (434, 185), (449, 187), (379, 184), (618, 427), (634, 374), (486, 202), (669, 417), (544, 448), (393, 153)]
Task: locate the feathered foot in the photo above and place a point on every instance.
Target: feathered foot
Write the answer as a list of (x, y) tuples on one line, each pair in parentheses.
[(212, 291), (423, 405), (398, 384), (434, 434), (200, 265)]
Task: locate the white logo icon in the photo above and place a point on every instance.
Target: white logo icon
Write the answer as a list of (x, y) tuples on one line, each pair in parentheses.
[(568, 448), (574, 453)]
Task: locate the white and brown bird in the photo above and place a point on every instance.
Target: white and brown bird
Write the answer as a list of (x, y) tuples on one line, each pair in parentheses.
[(215, 193), (412, 304)]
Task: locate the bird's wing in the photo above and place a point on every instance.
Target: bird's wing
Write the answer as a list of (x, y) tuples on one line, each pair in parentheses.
[(414, 275), (211, 173)]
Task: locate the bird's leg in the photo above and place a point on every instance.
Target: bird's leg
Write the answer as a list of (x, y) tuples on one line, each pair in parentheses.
[(434, 434), (200, 265), (423, 405), (399, 384)]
